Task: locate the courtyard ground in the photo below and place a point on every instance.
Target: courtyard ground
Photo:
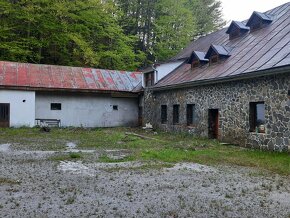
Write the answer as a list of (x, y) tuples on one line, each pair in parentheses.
[(114, 173)]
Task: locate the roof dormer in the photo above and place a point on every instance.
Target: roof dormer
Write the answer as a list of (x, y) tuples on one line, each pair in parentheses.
[(197, 59), (237, 29), (216, 53), (258, 20)]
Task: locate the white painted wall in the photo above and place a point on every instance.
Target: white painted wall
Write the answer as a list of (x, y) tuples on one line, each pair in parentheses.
[(22, 107), (88, 110), (166, 68), (163, 69)]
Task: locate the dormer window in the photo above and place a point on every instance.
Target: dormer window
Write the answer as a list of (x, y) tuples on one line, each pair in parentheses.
[(214, 59), (258, 20), (195, 64), (216, 53), (237, 29), (197, 59), (149, 79)]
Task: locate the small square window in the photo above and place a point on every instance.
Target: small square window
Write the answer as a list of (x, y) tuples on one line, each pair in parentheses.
[(195, 64), (257, 117), (115, 107), (214, 59), (55, 106)]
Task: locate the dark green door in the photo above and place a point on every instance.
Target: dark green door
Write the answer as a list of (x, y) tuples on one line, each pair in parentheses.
[(4, 115)]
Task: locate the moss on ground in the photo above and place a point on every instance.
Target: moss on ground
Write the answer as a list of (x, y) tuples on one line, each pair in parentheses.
[(167, 147)]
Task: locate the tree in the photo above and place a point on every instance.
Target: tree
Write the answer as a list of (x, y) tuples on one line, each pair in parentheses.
[(67, 32), (163, 27), (174, 28)]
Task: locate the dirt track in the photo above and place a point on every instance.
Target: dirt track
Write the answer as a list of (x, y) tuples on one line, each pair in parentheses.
[(31, 185)]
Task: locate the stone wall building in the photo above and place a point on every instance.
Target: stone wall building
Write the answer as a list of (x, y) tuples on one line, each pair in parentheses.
[(233, 85)]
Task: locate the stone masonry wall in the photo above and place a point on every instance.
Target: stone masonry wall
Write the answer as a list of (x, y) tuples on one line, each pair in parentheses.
[(232, 99)]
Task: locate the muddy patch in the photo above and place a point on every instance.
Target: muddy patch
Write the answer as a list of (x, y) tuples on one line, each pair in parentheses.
[(75, 168), (71, 145), (192, 166), (5, 147), (118, 154)]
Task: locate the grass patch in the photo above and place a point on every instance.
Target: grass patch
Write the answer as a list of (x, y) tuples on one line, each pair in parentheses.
[(74, 155), (66, 156), (147, 166), (168, 148), (107, 159), (7, 181)]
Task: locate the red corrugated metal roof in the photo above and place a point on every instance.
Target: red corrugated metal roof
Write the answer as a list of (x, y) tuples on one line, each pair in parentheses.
[(262, 49), (14, 74)]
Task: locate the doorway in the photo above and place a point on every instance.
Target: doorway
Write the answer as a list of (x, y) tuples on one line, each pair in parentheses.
[(140, 116), (213, 123), (4, 115)]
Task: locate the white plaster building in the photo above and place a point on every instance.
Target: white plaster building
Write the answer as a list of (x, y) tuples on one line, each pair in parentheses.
[(67, 96)]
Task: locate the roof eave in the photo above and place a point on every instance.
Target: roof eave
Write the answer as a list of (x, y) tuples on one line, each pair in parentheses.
[(28, 88), (249, 75)]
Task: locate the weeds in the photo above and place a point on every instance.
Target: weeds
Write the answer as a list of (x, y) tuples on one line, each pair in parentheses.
[(168, 148), (68, 156), (7, 181)]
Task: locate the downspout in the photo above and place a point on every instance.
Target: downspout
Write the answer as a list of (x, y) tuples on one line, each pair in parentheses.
[(155, 74)]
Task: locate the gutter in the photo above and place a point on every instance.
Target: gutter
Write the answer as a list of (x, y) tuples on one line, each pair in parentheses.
[(243, 76), (63, 90)]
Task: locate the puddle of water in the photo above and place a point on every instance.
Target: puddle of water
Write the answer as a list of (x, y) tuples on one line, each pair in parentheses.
[(282, 198), (192, 166), (75, 168), (4, 147), (127, 164), (71, 145)]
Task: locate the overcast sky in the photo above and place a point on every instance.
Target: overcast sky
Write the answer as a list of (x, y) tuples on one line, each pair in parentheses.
[(240, 10)]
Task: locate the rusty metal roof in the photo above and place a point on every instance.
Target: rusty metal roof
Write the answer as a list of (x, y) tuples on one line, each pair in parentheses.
[(259, 50), (24, 75)]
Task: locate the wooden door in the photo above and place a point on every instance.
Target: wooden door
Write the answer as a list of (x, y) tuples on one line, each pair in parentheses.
[(213, 123), (140, 116), (4, 115)]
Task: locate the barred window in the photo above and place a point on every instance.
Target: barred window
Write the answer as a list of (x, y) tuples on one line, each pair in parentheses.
[(175, 114), (55, 106), (163, 113), (149, 79), (257, 116), (190, 114)]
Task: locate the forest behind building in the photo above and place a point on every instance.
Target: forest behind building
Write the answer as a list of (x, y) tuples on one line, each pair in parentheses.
[(110, 34)]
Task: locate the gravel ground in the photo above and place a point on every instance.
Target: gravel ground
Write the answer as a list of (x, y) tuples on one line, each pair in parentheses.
[(32, 185)]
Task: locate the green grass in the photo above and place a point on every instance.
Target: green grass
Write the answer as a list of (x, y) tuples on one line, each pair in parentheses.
[(168, 148), (7, 181), (67, 156), (106, 159)]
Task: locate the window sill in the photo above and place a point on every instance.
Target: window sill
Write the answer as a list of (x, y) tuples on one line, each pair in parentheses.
[(191, 126), (258, 133)]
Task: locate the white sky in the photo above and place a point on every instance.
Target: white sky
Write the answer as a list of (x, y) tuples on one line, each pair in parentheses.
[(240, 10)]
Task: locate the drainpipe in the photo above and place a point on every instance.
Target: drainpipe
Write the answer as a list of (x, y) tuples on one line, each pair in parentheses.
[(155, 73)]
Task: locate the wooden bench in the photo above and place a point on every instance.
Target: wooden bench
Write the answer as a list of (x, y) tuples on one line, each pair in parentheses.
[(48, 122)]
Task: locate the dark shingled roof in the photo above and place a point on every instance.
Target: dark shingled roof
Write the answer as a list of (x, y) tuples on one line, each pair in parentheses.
[(219, 49), (240, 25), (259, 50), (263, 16), (200, 55)]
